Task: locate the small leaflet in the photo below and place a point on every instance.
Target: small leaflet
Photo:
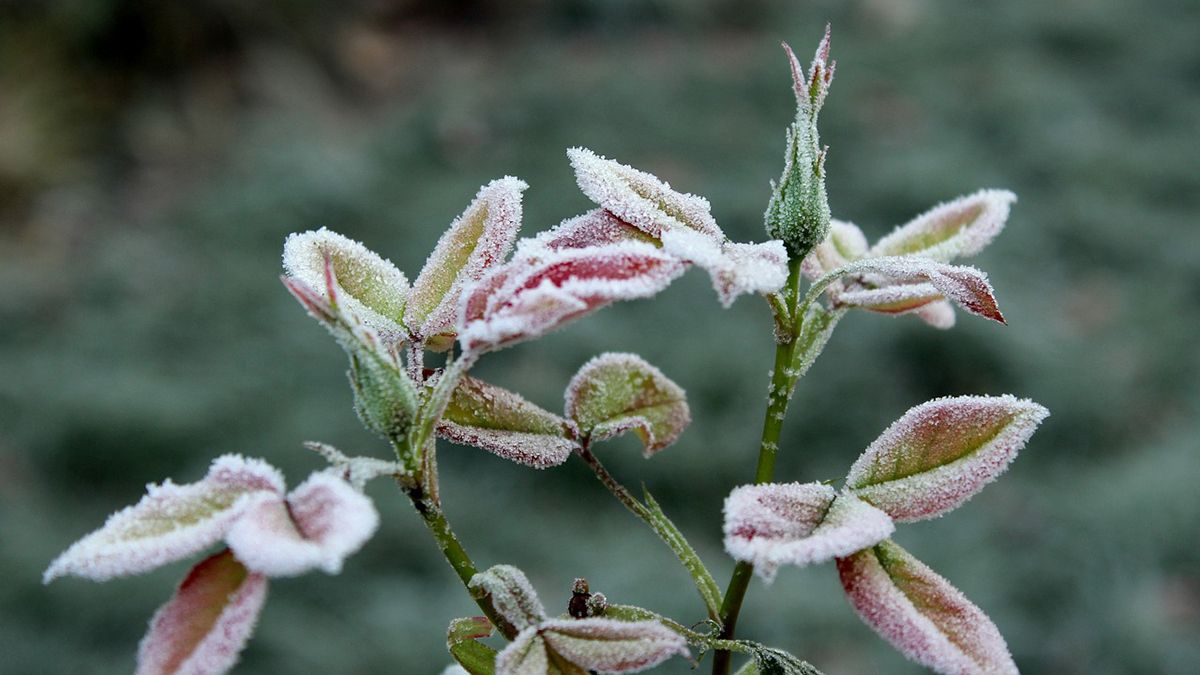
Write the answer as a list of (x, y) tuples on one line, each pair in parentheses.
[(371, 286), (203, 628), (614, 393), (610, 646), (941, 453), (525, 299), (735, 268), (912, 282), (959, 228), (811, 87), (597, 227), (512, 595), (640, 198), (323, 520), (503, 423), (473, 657), (798, 524), (171, 522), (921, 614), (477, 240)]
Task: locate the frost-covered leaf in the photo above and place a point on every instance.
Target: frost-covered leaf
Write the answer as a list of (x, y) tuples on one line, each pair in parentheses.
[(504, 423), (940, 453), (921, 614), (476, 240), (475, 658), (356, 470), (798, 524), (528, 298), (939, 314), (961, 227), (814, 335), (674, 539), (614, 393), (735, 268), (323, 521), (610, 646), (903, 284), (640, 198), (771, 661), (844, 244), (812, 86), (371, 287), (597, 227), (171, 522), (525, 655), (202, 629), (512, 595)]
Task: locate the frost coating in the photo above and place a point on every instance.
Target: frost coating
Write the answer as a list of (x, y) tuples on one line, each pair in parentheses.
[(505, 424), (512, 595), (203, 628), (372, 287), (910, 283), (609, 646), (958, 228), (323, 521), (921, 614), (476, 240), (941, 453), (528, 298), (171, 522), (735, 268), (525, 655), (798, 524), (597, 227), (614, 393), (640, 198)]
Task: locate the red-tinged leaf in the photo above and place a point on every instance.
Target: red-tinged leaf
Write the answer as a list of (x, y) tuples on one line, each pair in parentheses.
[(511, 594), (171, 522), (892, 298), (798, 524), (921, 614), (735, 268), (202, 630), (614, 393), (476, 241), (528, 298), (812, 87), (475, 658), (961, 227), (941, 453), (597, 227), (323, 521), (371, 287), (966, 286), (640, 198), (610, 646), (505, 424)]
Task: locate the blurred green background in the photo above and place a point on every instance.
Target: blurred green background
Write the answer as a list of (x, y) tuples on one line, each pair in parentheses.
[(154, 155)]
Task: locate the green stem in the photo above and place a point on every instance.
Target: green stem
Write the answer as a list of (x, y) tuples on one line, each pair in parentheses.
[(783, 380)]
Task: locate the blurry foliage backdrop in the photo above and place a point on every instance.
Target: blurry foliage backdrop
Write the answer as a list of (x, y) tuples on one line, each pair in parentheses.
[(154, 155)]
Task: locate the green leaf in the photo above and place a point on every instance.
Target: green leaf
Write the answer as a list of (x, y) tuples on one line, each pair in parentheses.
[(475, 657), (670, 534), (511, 593), (771, 661), (814, 334), (503, 423), (614, 393)]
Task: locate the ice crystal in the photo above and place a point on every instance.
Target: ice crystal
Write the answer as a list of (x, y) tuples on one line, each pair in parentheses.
[(171, 522), (922, 614), (504, 423), (203, 628), (798, 524), (372, 287), (525, 299), (941, 453), (614, 393), (735, 268), (478, 239)]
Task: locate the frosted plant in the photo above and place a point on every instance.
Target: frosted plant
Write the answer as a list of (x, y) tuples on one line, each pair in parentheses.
[(483, 290)]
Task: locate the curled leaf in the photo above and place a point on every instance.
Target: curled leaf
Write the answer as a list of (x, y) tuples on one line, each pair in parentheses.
[(525, 299), (904, 284), (961, 227), (735, 268), (941, 453), (371, 287), (512, 595), (171, 522), (505, 424), (921, 614), (476, 241), (614, 393), (798, 524), (610, 646), (639, 198), (597, 227), (203, 628), (323, 520)]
